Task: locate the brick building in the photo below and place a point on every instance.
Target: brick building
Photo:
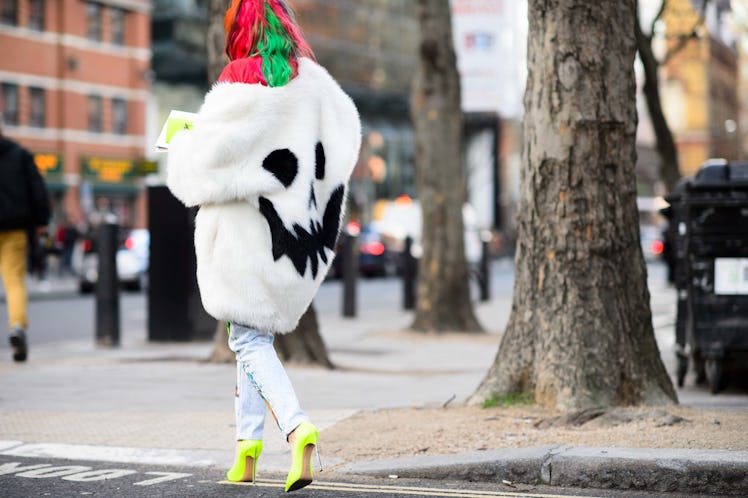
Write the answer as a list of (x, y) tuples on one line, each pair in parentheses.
[(75, 84), (700, 84)]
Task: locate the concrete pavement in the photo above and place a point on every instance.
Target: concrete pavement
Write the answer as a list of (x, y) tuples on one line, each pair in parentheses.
[(72, 400)]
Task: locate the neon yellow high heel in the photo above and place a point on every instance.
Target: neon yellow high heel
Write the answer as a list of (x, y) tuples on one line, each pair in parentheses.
[(305, 441), (245, 464)]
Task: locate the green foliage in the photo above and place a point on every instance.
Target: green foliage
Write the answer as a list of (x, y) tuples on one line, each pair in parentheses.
[(511, 399)]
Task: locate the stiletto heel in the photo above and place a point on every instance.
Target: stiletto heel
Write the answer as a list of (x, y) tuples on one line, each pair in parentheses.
[(245, 464), (319, 460), (305, 441)]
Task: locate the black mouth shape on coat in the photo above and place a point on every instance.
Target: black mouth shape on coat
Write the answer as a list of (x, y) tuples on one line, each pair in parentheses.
[(300, 245)]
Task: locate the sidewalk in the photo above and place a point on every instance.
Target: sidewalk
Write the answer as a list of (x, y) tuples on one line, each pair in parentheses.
[(162, 404)]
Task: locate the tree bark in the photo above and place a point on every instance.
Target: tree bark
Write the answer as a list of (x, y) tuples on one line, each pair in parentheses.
[(580, 331), (221, 352), (304, 345), (217, 59), (664, 141), (443, 296)]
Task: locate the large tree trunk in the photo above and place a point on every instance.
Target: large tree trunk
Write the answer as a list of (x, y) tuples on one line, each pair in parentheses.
[(580, 331), (221, 352), (443, 302), (664, 141), (304, 345)]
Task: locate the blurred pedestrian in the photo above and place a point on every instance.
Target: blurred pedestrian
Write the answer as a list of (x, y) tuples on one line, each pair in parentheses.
[(66, 237), (267, 160), (24, 205), (40, 246)]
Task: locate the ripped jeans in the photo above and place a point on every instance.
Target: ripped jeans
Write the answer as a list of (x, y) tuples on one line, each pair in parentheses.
[(261, 383)]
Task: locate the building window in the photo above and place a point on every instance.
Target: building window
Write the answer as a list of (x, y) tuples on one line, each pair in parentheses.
[(117, 19), (10, 104), (38, 107), (94, 113), (9, 12), (93, 20), (36, 15), (119, 116)]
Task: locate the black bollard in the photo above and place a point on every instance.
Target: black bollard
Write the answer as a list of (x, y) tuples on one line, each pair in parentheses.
[(485, 272), (409, 275), (350, 274), (107, 286)]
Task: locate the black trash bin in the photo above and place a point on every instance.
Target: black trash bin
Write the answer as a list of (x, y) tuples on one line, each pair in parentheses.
[(709, 224), (175, 311)]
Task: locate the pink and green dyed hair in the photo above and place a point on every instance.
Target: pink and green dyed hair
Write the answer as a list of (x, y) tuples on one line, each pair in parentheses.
[(265, 32)]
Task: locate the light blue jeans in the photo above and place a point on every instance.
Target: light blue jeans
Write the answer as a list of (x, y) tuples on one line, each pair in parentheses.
[(261, 383)]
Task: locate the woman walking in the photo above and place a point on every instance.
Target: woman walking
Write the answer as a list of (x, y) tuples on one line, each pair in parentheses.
[(267, 160)]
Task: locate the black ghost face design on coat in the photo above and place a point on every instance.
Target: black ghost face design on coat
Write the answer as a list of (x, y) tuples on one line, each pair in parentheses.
[(301, 245)]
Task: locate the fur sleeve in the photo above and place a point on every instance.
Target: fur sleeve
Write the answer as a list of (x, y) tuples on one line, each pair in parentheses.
[(240, 126), (213, 162)]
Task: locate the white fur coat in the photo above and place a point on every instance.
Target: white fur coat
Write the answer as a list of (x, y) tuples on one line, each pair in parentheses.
[(268, 167)]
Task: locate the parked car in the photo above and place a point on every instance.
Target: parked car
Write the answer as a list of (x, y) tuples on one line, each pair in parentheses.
[(375, 257), (132, 261), (399, 219)]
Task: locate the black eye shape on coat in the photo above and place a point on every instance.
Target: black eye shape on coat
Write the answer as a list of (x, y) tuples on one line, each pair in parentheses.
[(284, 165), (319, 156)]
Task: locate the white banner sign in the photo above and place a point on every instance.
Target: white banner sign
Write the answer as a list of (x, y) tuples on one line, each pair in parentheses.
[(490, 42), (731, 276)]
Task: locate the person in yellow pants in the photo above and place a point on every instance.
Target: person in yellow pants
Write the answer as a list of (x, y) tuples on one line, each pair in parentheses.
[(24, 205)]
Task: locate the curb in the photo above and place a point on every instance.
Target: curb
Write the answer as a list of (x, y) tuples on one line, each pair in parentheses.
[(662, 470)]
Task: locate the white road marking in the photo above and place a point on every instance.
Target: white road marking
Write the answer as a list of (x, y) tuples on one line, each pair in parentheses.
[(13, 467), (142, 456), (100, 475), (165, 476), (48, 472), (80, 473)]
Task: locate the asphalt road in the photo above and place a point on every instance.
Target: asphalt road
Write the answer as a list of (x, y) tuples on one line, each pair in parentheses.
[(73, 317), (27, 477)]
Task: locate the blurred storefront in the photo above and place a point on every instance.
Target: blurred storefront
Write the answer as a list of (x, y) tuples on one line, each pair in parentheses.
[(370, 48), (51, 167), (490, 42), (75, 77)]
